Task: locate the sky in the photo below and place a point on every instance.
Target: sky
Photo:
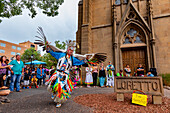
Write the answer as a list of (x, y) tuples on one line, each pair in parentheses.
[(23, 28)]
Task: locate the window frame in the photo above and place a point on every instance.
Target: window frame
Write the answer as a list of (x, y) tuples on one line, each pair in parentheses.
[(14, 47), (3, 44), (2, 50), (19, 49), (13, 54)]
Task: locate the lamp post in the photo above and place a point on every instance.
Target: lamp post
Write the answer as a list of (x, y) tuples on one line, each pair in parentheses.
[(32, 56)]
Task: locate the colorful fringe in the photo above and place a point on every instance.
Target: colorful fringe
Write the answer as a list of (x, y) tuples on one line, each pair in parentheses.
[(57, 89), (88, 83)]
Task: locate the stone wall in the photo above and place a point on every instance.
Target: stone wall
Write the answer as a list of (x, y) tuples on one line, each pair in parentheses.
[(102, 42), (161, 22)]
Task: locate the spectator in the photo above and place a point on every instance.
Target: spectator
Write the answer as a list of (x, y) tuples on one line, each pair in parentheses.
[(3, 93), (110, 75), (9, 74), (94, 74), (127, 70), (18, 69), (89, 78), (44, 75), (6, 81), (34, 81), (33, 72), (26, 79), (3, 70), (149, 74), (102, 75), (40, 74), (140, 71), (120, 74)]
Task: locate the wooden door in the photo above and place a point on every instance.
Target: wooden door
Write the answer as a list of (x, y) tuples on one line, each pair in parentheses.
[(133, 57)]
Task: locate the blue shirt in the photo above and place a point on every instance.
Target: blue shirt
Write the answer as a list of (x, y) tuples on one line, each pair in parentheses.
[(17, 68), (39, 73), (150, 75)]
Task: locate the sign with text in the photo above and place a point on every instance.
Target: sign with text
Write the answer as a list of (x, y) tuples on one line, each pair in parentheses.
[(149, 85), (139, 99)]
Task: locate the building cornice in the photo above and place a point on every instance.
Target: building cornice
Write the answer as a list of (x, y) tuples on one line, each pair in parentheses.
[(101, 26), (161, 16)]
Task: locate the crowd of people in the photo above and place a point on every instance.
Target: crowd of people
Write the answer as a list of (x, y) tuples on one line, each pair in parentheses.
[(107, 73), (14, 76)]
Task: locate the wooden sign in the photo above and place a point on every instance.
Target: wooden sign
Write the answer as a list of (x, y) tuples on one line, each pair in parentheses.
[(139, 99)]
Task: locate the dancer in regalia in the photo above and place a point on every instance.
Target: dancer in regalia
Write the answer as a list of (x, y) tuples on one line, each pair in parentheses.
[(60, 83), (110, 75)]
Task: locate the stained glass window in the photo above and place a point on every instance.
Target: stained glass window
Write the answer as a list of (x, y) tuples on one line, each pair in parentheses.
[(117, 2), (138, 40), (132, 32), (127, 41)]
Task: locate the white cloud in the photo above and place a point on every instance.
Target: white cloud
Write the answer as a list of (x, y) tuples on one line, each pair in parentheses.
[(62, 27)]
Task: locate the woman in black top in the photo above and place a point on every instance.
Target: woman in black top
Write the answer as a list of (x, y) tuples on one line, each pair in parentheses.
[(102, 75)]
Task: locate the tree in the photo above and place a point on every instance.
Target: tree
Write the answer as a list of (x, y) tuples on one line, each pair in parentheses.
[(49, 59), (26, 56), (9, 8), (60, 45)]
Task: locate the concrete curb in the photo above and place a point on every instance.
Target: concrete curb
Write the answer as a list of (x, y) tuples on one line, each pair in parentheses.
[(167, 87)]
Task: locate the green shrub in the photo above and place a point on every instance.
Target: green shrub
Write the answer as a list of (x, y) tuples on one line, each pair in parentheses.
[(166, 79)]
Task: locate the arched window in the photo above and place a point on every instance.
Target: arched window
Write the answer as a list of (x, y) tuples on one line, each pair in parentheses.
[(132, 36)]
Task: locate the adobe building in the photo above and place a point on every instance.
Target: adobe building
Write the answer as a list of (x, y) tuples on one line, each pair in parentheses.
[(129, 31), (11, 49)]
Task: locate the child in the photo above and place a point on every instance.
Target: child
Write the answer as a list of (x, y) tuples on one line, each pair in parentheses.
[(26, 79), (34, 81), (120, 74), (110, 75), (89, 78), (127, 70), (149, 74)]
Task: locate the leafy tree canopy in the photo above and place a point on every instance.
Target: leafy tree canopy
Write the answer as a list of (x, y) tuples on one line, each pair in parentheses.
[(60, 45), (9, 8), (26, 56)]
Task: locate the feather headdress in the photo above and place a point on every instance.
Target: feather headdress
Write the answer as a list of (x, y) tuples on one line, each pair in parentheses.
[(72, 44)]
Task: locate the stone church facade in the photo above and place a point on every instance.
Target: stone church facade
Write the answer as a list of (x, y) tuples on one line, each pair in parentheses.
[(129, 31)]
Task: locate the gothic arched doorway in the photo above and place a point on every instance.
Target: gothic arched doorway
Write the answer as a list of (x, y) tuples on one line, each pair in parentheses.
[(133, 48)]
